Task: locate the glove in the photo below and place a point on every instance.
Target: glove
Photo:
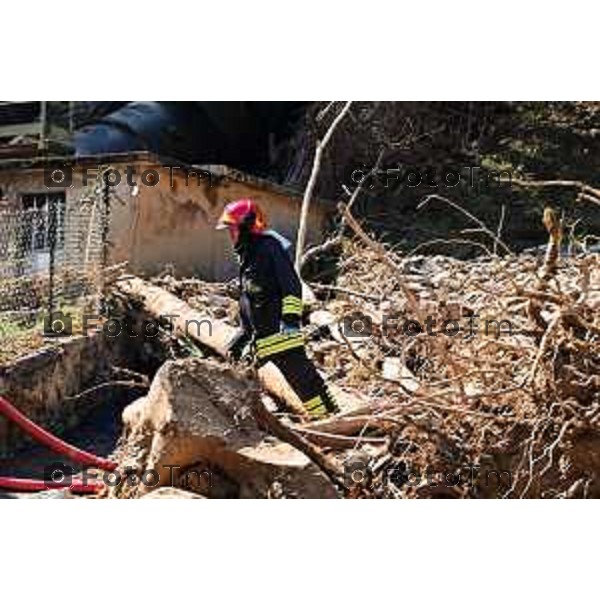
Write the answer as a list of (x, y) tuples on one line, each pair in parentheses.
[(288, 328)]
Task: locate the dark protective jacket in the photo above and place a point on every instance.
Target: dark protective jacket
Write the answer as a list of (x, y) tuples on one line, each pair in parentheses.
[(270, 294)]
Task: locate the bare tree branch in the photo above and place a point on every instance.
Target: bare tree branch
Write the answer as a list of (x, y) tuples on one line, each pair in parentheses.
[(469, 215), (321, 145)]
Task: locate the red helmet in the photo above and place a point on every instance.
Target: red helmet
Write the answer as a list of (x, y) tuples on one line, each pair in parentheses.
[(243, 212)]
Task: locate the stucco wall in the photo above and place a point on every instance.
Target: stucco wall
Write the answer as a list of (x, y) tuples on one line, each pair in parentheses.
[(172, 222)]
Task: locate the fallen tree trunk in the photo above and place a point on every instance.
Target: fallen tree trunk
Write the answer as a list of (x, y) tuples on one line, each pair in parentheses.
[(162, 305), (216, 335)]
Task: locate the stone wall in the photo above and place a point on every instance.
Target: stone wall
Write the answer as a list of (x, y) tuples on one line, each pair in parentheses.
[(44, 385)]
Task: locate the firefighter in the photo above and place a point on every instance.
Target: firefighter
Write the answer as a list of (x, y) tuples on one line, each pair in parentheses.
[(271, 305)]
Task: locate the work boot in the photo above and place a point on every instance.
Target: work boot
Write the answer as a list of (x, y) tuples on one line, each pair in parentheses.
[(321, 406), (330, 404)]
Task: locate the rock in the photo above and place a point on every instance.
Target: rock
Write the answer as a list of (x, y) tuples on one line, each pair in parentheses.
[(171, 493), (198, 414), (394, 369)]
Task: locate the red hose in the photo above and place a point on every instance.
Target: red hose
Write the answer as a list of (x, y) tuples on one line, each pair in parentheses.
[(57, 445), (37, 485)]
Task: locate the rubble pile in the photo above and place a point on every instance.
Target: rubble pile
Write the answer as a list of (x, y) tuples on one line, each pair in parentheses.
[(476, 378), (493, 387)]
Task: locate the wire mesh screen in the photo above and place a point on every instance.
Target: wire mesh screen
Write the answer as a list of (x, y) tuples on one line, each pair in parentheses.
[(51, 253)]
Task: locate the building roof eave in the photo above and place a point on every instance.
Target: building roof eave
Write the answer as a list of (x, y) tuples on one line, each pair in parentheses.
[(219, 171)]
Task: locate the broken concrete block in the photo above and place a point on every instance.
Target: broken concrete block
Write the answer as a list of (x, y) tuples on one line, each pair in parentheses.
[(198, 412), (171, 493)]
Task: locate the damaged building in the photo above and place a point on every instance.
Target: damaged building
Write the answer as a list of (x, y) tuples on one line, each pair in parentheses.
[(154, 211)]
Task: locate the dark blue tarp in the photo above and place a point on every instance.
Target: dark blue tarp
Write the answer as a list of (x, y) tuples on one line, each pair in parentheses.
[(233, 133)]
